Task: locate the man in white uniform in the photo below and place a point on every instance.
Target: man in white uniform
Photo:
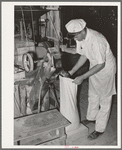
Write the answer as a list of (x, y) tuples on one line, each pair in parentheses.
[(93, 45)]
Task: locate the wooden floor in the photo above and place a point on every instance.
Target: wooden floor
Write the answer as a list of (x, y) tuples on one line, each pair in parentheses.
[(109, 138)]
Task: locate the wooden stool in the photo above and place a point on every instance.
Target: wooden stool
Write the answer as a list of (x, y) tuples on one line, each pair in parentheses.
[(44, 128)]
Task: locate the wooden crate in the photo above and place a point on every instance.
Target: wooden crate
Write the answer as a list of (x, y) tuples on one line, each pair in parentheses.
[(43, 128)]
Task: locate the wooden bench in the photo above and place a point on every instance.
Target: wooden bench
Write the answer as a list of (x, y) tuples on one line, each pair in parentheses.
[(44, 128)]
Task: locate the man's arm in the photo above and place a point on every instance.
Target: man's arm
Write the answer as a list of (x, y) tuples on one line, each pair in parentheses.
[(94, 70), (80, 63)]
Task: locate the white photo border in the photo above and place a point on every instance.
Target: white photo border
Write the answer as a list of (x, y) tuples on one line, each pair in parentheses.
[(7, 42)]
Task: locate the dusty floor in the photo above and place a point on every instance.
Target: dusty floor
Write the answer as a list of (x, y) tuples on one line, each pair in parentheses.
[(110, 135)]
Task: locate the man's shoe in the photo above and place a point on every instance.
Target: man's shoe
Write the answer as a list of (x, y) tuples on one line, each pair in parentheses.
[(94, 135), (85, 122)]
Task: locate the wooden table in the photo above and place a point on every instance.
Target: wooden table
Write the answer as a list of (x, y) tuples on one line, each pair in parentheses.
[(43, 128)]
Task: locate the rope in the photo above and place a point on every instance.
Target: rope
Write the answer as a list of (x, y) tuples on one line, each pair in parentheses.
[(32, 23), (24, 26)]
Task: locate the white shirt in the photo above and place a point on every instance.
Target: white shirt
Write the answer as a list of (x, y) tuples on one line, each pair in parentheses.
[(96, 48)]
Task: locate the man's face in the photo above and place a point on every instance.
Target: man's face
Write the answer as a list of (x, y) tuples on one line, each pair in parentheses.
[(79, 36)]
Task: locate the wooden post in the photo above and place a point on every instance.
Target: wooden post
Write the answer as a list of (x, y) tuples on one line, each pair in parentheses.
[(23, 96), (17, 110), (57, 26), (21, 31), (62, 136)]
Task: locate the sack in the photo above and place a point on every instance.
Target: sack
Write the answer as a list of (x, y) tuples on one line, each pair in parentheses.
[(68, 102)]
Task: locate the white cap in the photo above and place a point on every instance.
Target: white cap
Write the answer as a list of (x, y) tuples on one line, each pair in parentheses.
[(75, 25)]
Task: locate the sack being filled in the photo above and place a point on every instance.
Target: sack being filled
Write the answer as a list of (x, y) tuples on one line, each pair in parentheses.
[(68, 103)]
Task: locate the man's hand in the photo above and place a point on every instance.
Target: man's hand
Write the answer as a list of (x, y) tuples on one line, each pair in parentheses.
[(64, 73), (78, 80)]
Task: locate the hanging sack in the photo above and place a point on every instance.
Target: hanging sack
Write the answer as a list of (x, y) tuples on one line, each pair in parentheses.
[(68, 102)]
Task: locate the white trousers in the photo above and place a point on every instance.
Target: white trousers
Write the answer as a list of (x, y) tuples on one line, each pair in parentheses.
[(99, 110)]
